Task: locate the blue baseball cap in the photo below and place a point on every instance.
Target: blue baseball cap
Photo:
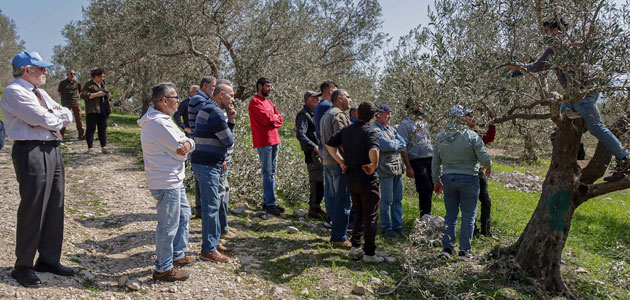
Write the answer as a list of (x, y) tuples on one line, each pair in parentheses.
[(29, 58), (384, 108), (459, 111)]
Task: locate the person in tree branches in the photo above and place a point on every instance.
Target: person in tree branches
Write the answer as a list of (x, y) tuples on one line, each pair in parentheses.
[(586, 108), (484, 195)]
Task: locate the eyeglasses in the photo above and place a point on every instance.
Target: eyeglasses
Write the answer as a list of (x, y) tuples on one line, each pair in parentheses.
[(173, 97), (41, 69)]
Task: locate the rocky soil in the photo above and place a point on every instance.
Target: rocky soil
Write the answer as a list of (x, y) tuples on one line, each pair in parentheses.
[(109, 237)]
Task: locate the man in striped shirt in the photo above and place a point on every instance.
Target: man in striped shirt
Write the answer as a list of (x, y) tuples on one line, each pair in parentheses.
[(206, 87), (213, 137)]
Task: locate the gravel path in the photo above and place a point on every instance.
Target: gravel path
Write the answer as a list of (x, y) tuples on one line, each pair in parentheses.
[(109, 232)]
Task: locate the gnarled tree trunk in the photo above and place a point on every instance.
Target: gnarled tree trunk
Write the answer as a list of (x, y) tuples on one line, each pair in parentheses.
[(539, 249)]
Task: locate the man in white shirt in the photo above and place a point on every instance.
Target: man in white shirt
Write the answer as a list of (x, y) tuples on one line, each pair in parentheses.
[(165, 148), (33, 120)]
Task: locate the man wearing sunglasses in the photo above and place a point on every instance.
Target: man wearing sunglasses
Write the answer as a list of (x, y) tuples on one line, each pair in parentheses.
[(33, 121)]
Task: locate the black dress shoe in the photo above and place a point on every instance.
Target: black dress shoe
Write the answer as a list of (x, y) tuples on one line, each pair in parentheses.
[(58, 269), (26, 277)]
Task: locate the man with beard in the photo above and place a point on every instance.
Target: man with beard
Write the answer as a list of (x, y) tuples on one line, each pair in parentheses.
[(265, 120)]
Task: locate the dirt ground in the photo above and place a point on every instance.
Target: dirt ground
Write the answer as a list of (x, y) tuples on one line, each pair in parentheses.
[(109, 232)]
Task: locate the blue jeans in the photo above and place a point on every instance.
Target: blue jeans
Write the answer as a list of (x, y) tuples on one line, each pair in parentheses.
[(338, 202), (224, 194), (460, 192), (209, 180), (590, 113), (391, 203), (171, 232), (268, 156)]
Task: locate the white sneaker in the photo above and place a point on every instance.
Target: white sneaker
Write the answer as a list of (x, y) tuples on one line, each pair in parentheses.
[(105, 150), (90, 151), (356, 253), (373, 259)]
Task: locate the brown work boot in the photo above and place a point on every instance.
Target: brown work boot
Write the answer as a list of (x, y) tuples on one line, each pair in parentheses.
[(184, 261), (215, 256), (316, 213), (173, 274), (224, 249), (622, 171), (343, 244)]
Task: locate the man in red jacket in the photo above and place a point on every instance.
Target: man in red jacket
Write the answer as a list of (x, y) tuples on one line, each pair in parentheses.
[(265, 120), (484, 195)]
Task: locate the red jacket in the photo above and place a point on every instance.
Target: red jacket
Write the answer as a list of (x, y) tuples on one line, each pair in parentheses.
[(488, 137), (265, 120)]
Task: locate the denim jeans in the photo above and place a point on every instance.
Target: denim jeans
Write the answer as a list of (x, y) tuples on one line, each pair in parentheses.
[(224, 194), (338, 202), (460, 192), (171, 232), (391, 203), (209, 180), (590, 113), (268, 156)]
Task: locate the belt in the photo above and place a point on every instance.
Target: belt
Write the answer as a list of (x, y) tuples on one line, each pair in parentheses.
[(37, 143)]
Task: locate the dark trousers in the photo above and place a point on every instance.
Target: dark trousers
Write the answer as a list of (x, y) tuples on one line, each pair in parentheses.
[(40, 176), (92, 122), (76, 112), (486, 203), (366, 198), (315, 180), (424, 183)]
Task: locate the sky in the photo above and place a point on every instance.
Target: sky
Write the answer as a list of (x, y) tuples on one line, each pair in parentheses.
[(40, 25)]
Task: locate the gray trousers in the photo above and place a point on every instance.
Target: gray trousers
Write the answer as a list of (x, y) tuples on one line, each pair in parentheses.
[(40, 175), (224, 194)]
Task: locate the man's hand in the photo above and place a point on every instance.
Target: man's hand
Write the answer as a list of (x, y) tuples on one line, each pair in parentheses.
[(438, 188), (410, 173), (184, 148), (187, 130), (99, 94), (224, 167), (316, 150), (343, 167), (369, 168), (231, 113), (488, 172)]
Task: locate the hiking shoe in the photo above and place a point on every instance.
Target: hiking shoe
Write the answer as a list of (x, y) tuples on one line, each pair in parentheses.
[(342, 244), (173, 274), (373, 259), (215, 256), (280, 207), (90, 151), (446, 253), (622, 171), (356, 253), (316, 213), (465, 255), (392, 234), (274, 210), (184, 261), (224, 249), (105, 150)]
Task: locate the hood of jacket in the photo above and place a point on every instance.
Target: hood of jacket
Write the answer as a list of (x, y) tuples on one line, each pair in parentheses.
[(151, 115)]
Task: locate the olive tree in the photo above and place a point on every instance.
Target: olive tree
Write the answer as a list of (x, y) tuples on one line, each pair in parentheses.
[(461, 57), (10, 45)]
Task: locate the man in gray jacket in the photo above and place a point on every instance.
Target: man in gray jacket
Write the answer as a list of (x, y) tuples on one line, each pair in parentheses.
[(457, 156)]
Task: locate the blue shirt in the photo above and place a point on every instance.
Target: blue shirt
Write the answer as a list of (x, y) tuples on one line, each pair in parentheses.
[(322, 107)]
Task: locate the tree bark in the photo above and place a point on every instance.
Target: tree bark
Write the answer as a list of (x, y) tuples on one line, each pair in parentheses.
[(539, 248)]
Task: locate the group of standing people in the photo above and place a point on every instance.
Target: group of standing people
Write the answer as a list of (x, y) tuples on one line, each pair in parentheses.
[(344, 152), (351, 162), (97, 106)]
